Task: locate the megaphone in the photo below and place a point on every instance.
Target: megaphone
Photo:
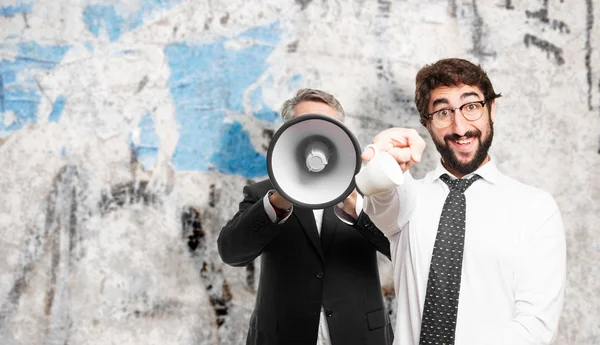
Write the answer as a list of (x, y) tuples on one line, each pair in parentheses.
[(312, 160)]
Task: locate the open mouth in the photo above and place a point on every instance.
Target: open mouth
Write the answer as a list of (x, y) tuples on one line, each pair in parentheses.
[(465, 141), (464, 144)]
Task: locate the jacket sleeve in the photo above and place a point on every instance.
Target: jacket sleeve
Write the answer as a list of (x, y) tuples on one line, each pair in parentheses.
[(366, 227), (245, 236)]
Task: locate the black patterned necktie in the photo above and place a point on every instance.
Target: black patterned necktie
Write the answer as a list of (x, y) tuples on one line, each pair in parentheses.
[(443, 284)]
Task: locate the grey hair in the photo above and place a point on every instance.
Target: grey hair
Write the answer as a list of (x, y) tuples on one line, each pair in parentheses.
[(287, 110)]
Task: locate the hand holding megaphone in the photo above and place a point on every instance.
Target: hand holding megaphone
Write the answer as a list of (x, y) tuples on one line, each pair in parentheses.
[(391, 154), (278, 201)]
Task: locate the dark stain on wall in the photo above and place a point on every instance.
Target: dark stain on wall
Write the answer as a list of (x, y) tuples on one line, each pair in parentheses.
[(589, 23), (452, 8), (251, 276), (127, 193), (221, 302), (217, 288), (542, 16), (158, 309), (478, 36), (268, 134), (213, 196), (225, 19), (508, 5), (61, 220), (26, 20), (292, 47), (549, 48), (142, 84), (11, 300), (402, 106), (303, 3), (207, 23), (382, 73), (384, 7), (63, 223), (191, 225)]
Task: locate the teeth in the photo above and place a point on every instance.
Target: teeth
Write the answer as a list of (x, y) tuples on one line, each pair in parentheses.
[(464, 141)]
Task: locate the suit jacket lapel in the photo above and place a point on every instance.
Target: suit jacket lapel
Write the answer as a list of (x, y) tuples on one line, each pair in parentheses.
[(329, 227), (306, 217)]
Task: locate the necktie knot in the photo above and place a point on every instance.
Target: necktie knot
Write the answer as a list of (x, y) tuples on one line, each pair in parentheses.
[(459, 185)]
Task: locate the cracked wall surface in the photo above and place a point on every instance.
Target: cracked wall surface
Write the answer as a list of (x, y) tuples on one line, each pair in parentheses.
[(129, 127)]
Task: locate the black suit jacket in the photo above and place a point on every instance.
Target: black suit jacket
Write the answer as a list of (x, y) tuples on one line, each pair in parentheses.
[(300, 272)]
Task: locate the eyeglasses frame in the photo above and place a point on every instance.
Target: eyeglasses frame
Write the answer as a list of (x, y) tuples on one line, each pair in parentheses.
[(453, 110)]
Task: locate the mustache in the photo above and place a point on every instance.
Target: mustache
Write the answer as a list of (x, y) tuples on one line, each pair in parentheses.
[(469, 134)]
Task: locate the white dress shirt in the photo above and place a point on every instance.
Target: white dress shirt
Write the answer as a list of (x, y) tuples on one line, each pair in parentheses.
[(513, 273), (323, 337)]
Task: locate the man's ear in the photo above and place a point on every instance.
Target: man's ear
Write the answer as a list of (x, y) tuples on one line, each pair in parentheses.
[(493, 110)]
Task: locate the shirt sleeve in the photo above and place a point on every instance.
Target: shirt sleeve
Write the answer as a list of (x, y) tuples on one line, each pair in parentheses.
[(345, 217), (271, 210), (539, 287), (390, 211)]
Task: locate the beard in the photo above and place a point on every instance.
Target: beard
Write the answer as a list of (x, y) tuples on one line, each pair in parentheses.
[(450, 158)]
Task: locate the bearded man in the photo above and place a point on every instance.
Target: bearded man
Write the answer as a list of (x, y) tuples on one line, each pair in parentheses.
[(478, 257)]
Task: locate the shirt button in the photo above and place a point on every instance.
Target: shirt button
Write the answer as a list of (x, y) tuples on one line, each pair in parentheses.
[(328, 313), (320, 275)]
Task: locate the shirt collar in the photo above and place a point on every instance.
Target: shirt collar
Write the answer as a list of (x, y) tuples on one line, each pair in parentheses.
[(488, 172)]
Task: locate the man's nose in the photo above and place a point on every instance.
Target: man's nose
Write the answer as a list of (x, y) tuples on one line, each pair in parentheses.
[(460, 124)]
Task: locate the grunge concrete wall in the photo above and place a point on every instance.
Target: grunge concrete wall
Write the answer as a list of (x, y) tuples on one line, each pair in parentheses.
[(128, 128)]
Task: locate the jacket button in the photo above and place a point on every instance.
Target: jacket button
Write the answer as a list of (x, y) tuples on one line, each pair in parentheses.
[(320, 275), (328, 313)]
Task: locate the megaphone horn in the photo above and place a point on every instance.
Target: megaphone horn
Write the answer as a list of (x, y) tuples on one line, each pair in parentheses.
[(312, 160)]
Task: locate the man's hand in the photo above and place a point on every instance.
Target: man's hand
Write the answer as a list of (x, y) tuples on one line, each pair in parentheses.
[(279, 202), (349, 205), (404, 144)]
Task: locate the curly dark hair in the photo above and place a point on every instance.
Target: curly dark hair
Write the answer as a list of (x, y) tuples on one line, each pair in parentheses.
[(450, 72)]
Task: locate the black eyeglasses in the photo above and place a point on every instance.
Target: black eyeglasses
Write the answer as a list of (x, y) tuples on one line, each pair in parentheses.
[(443, 118)]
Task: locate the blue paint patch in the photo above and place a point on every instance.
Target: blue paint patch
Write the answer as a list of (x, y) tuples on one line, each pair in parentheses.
[(296, 79), (99, 16), (57, 109), (146, 151), (8, 76), (105, 17), (19, 93), (22, 106), (206, 82), (260, 109), (236, 156), (266, 34), (23, 7), (1, 95)]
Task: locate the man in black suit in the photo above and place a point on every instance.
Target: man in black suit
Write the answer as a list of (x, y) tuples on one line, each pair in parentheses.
[(319, 282)]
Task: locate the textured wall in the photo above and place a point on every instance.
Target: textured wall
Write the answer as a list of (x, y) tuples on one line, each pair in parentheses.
[(128, 128)]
